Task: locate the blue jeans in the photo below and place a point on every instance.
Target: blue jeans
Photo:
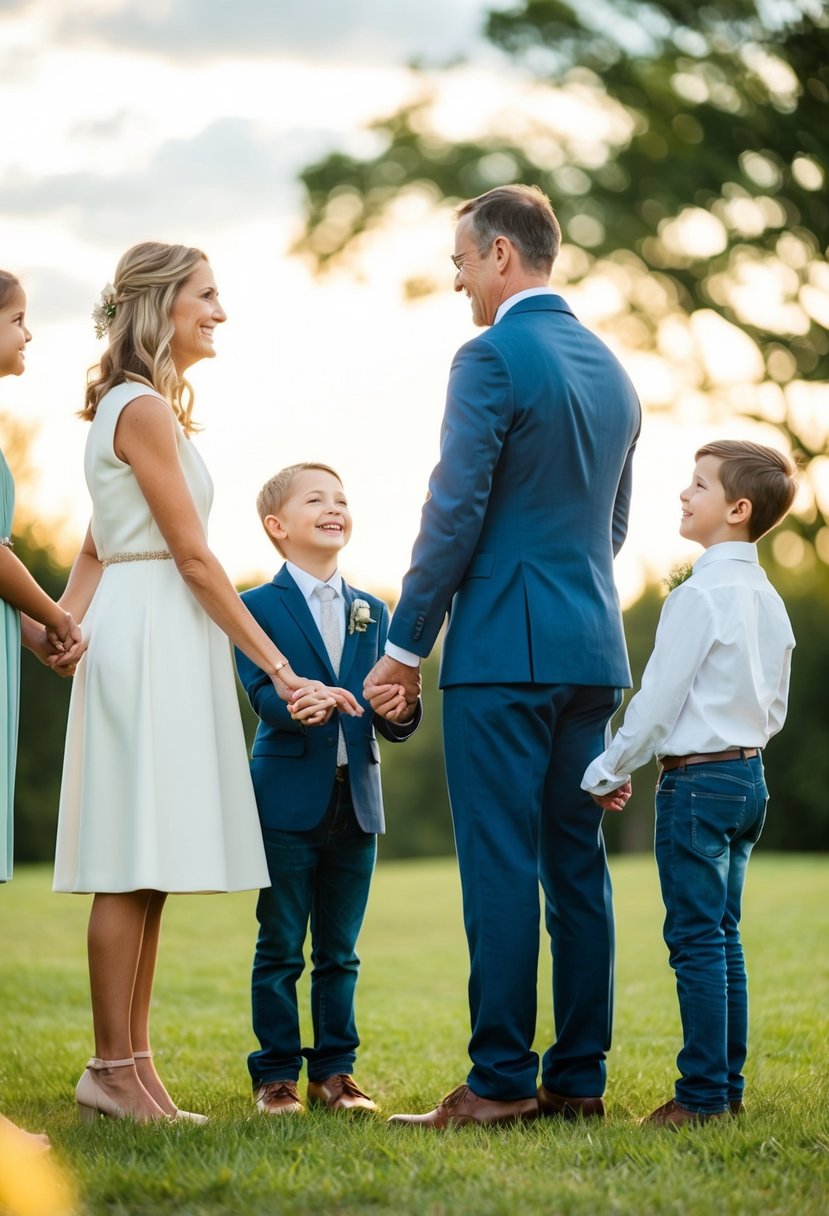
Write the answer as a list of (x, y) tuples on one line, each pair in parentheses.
[(708, 819), (323, 875)]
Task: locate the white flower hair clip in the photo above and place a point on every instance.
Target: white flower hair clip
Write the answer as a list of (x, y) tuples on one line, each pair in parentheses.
[(104, 311), (359, 618)]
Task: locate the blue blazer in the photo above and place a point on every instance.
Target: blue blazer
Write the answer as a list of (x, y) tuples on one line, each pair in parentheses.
[(526, 508), (292, 765)]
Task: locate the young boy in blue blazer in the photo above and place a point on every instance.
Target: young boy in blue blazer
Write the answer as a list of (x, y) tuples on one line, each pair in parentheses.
[(318, 793)]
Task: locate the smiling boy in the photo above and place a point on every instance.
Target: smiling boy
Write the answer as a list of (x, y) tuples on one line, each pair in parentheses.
[(318, 794), (713, 693)]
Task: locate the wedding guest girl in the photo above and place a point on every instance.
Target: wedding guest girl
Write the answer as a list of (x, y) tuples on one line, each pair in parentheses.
[(26, 611), (156, 793)]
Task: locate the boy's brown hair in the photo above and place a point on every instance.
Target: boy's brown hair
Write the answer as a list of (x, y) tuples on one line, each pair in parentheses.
[(274, 492), (762, 475)]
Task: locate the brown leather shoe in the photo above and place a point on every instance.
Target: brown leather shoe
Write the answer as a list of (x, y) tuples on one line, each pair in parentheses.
[(278, 1098), (735, 1109), (675, 1116), (340, 1093), (568, 1108), (463, 1106)]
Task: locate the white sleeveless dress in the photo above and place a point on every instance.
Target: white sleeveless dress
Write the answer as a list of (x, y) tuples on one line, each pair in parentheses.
[(156, 788)]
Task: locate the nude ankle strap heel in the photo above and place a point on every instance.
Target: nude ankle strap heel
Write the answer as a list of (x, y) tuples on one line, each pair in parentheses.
[(185, 1116), (92, 1100)]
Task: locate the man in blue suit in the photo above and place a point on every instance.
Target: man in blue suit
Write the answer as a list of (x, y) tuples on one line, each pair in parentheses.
[(526, 509), (318, 794)]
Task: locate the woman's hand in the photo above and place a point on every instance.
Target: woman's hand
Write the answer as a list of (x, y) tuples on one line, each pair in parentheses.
[(60, 656), (67, 643), (311, 702)]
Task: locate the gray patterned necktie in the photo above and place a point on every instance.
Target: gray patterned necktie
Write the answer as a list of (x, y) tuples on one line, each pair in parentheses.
[(330, 630)]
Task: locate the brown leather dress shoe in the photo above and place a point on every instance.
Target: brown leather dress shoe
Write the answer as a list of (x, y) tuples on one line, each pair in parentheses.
[(278, 1098), (566, 1107), (340, 1093), (736, 1108), (463, 1106), (675, 1116)]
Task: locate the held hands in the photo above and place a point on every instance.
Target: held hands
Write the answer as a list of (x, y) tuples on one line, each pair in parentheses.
[(615, 800), (59, 648), (392, 689), (389, 701), (311, 702)]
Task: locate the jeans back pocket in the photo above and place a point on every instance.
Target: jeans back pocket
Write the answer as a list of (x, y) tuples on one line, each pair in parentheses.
[(715, 820)]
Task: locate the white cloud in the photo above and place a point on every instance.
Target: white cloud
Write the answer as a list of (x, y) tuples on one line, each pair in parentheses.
[(361, 31), (233, 167)]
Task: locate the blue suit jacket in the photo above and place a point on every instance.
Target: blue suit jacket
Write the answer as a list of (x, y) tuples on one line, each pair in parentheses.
[(293, 766), (526, 508)]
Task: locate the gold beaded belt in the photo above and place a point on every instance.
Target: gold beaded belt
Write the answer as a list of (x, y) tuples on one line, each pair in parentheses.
[(146, 555)]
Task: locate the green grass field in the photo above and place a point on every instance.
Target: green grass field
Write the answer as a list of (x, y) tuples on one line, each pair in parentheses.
[(413, 1023)]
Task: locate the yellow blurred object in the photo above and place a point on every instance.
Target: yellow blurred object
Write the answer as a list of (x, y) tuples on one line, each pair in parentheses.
[(31, 1182)]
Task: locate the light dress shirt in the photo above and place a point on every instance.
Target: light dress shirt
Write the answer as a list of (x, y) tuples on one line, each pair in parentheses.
[(718, 677), (397, 652), (308, 583)]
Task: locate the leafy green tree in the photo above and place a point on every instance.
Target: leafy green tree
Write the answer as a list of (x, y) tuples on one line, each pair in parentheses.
[(699, 194)]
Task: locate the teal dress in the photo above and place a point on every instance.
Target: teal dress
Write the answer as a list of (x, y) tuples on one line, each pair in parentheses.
[(9, 689)]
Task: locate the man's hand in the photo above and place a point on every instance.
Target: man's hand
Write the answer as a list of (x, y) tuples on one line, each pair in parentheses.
[(614, 800), (388, 672), (389, 701)]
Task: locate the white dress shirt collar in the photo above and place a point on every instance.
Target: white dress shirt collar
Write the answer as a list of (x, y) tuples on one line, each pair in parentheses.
[(307, 583), (728, 550), (521, 295)]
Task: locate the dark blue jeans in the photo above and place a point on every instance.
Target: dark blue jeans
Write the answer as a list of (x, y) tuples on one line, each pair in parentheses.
[(324, 876), (708, 819)]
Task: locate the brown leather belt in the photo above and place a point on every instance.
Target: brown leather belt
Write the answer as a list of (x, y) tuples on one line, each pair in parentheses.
[(735, 753), (341, 772)]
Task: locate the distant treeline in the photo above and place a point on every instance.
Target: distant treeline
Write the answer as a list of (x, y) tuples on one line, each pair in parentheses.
[(417, 809)]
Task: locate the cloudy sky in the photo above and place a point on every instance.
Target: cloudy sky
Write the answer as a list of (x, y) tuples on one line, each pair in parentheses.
[(187, 120)]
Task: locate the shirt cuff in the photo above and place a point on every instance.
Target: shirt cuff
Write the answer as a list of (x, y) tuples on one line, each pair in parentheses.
[(402, 656), (599, 780)]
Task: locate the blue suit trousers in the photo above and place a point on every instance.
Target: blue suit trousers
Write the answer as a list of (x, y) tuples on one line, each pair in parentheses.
[(515, 755), (323, 876)]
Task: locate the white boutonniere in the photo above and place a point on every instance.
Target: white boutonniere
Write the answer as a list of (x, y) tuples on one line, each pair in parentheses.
[(359, 618), (104, 311)]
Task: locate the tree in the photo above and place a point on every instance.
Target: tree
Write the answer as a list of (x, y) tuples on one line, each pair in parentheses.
[(696, 194)]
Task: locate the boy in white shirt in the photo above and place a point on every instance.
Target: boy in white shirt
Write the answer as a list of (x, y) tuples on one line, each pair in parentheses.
[(713, 693)]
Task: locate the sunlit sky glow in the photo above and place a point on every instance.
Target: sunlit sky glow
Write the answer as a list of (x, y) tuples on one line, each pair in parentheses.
[(187, 122)]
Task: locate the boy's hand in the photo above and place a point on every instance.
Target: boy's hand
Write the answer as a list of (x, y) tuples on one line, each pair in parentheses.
[(615, 800), (314, 703), (386, 672), (389, 701)]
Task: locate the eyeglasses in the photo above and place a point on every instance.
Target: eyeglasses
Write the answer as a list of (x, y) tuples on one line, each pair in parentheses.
[(459, 258)]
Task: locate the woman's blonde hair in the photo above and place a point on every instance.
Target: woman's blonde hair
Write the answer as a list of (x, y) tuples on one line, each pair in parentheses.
[(147, 280)]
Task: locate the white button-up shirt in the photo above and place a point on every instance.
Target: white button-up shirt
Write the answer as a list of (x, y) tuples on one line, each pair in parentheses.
[(308, 584), (718, 677)]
